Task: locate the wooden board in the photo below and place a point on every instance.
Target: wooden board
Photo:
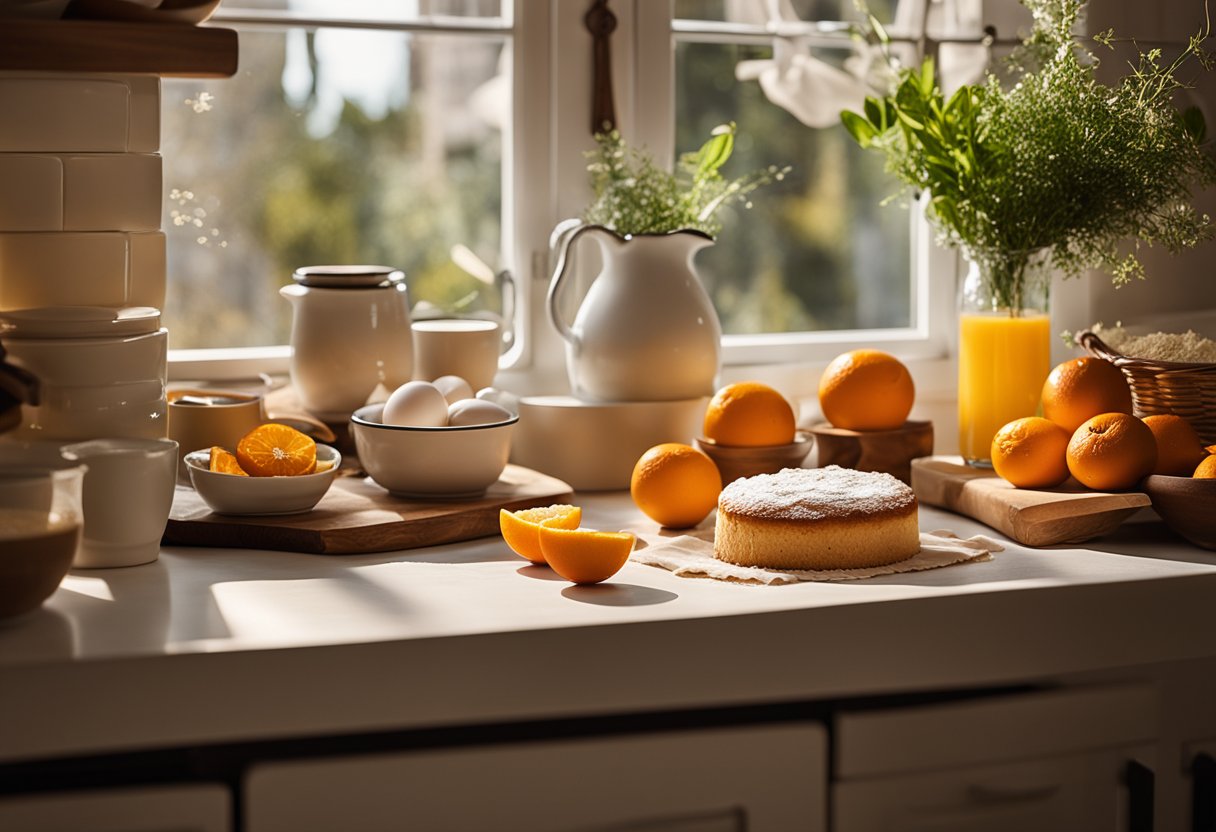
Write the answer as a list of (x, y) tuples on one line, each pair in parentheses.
[(356, 516), (1068, 514), (169, 49)]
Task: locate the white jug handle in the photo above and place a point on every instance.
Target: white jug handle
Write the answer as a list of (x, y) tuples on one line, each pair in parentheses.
[(563, 237)]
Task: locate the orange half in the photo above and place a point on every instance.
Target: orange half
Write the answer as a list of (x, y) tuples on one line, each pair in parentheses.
[(520, 528), (223, 462), (275, 450), (583, 556)]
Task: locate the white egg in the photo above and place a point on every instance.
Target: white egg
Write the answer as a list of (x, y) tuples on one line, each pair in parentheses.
[(500, 397), (476, 412), (416, 404), (453, 388)]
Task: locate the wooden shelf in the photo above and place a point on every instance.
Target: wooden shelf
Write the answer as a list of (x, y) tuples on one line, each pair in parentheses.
[(174, 50)]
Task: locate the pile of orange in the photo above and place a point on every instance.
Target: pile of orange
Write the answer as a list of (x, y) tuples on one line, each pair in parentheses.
[(551, 536), (1089, 432), (270, 450)]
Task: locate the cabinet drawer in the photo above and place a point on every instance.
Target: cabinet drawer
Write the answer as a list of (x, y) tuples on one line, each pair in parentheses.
[(763, 779), (993, 729), (192, 808), (1079, 793)]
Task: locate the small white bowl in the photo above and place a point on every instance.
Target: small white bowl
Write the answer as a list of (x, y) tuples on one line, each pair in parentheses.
[(232, 494), (446, 462)]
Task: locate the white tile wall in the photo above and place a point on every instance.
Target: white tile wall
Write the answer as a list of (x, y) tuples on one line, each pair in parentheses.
[(88, 192), (82, 269), (31, 192)]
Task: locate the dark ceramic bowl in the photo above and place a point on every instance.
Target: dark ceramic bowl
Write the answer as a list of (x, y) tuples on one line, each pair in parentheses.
[(1188, 506)]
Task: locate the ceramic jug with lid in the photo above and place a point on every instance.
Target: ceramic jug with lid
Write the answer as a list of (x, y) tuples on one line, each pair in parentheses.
[(350, 331), (646, 330)]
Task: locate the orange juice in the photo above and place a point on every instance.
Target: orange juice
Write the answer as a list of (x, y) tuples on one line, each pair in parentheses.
[(1003, 362)]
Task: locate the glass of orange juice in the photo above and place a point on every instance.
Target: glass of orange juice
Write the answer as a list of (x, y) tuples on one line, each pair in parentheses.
[(1004, 347)]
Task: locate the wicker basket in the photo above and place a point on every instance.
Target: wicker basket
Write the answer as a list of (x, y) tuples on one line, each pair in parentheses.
[(1187, 390)]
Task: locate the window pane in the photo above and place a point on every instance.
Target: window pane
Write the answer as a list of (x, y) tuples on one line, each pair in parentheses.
[(750, 11), (817, 251), (333, 146), (401, 11)]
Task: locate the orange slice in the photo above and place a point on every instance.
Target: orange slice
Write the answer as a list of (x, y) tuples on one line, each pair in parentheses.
[(275, 450), (583, 556), (519, 528), (223, 462)]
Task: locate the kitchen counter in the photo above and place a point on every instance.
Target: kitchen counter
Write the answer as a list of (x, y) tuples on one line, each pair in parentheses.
[(212, 646)]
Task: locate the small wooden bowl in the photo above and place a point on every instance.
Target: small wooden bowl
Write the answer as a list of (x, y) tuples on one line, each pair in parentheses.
[(885, 451), (735, 461), (1185, 504)]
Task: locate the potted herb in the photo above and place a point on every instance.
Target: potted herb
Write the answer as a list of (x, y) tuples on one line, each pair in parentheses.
[(647, 330), (1047, 169)]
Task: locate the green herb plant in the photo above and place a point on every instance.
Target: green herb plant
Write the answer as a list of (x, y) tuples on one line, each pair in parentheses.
[(1053, 158), (633, 195)]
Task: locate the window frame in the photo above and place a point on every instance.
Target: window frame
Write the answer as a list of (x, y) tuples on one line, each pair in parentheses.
[(546, 181)]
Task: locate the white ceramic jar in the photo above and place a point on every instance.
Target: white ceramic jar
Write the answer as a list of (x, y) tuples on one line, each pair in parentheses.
[(101, 371), (350, 332)]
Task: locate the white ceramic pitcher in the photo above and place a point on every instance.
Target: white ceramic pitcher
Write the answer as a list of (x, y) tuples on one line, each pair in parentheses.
[(350, 331), (646, 331)]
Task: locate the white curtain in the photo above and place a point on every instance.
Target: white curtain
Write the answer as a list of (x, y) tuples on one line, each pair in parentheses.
[(815, 91)]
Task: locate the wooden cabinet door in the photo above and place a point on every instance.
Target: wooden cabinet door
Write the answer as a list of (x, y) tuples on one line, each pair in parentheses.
[(771, 778), (189, 808)]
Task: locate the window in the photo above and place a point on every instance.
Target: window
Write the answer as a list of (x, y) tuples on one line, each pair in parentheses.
[(377, 136), (445, 137)]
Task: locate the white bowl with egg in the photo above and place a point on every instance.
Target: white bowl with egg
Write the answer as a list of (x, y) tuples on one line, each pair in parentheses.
[(234, 494), (431, 462)]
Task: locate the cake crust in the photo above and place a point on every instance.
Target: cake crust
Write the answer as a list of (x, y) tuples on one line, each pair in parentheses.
[(826, 518)]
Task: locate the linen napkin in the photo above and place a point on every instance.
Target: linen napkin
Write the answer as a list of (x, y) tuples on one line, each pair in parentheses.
[(693, 557)]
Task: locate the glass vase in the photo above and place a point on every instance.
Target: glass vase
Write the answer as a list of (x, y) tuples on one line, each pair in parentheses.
[(1004, 345)]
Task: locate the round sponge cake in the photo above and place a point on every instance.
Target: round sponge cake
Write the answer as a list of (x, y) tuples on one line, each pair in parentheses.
[(816, 518)]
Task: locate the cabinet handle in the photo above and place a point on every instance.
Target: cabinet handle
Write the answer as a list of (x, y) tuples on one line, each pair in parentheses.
[(1141, 783), (1203, 794)]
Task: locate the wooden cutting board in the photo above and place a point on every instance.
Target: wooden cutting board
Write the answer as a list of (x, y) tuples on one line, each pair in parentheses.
[(357, 516), (1067, 514)]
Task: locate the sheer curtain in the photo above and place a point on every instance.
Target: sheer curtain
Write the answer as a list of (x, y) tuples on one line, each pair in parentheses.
[(815, 91)]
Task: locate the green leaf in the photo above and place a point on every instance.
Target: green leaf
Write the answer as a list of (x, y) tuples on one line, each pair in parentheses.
[(876, 112), (862, 131), (879, 31), (714, 153)]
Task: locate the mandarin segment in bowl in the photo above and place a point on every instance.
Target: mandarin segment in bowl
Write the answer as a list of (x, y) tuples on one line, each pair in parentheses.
[(584, 556), (223, 462), (520, 529), (274, 450)]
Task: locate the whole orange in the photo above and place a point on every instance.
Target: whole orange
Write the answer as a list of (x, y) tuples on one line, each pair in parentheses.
[(1029, 453), (675, 485), (1112, 451), (1178, 447), (866, 390), (749, 414), (1081, 388)]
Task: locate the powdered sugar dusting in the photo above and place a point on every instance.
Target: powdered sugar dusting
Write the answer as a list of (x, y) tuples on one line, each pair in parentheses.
[(816, 494)]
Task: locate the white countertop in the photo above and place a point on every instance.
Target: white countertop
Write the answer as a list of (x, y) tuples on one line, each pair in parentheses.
[(212, 645)]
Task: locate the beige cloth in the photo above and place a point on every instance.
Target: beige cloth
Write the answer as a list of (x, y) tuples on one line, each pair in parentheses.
[(693, 557)]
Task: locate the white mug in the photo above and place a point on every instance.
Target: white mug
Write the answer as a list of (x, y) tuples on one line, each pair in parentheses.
[(465, 347), (128, 492)]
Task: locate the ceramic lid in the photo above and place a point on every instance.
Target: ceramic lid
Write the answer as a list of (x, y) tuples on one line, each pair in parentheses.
[(348, 277), (79, 321)]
